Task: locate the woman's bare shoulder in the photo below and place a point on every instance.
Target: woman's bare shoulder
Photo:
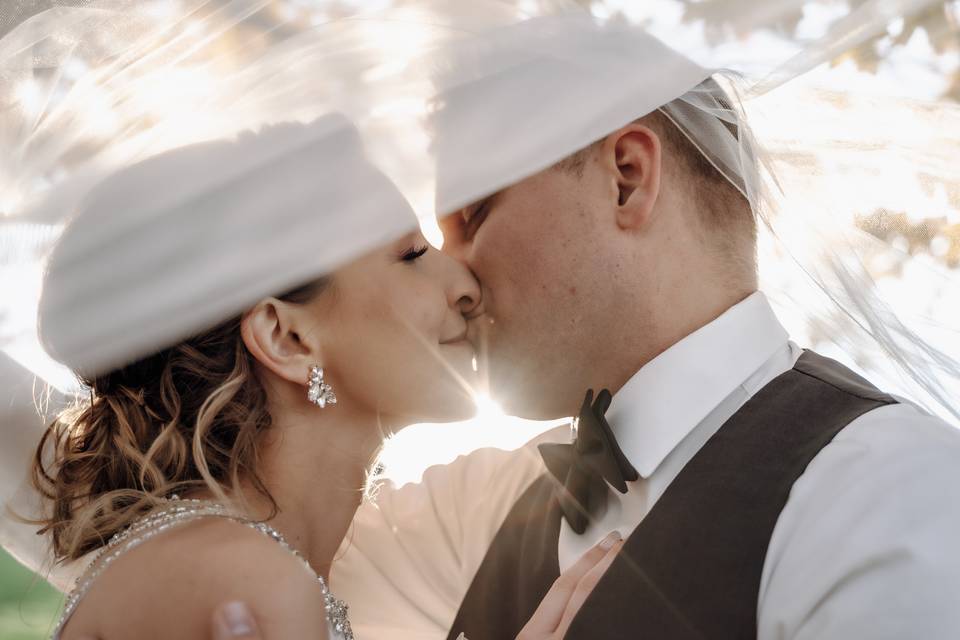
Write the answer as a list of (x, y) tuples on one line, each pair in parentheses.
[(170, 585)]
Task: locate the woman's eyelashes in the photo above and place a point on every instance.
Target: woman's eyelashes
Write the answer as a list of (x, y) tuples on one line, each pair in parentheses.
[(411, 254)]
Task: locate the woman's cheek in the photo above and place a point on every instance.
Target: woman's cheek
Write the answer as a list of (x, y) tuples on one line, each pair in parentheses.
[(415, 304), (434, 314)]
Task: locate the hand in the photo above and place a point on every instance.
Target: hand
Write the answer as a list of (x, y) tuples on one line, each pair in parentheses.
[(550, 622), (230, 620), (234, 620), (558, 608)]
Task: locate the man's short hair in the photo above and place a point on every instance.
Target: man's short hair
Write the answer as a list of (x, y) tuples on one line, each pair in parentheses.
[(725, 213)]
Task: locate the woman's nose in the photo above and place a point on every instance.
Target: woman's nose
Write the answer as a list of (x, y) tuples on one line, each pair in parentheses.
[(464, 289)]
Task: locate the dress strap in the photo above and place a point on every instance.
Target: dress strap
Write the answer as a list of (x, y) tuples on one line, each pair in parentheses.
[(178, 513)]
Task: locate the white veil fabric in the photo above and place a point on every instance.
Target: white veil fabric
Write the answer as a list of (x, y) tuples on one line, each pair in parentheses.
[(441, 102)]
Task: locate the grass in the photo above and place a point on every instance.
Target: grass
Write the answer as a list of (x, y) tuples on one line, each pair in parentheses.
[(29, 606)]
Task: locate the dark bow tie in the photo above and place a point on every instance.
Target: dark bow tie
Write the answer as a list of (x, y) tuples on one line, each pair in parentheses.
[(586, 466)]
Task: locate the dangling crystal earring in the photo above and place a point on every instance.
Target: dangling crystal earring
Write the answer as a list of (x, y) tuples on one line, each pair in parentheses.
[(319, 392)]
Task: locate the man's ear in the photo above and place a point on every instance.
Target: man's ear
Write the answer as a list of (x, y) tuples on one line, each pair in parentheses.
[(272, 333), (634, 157)]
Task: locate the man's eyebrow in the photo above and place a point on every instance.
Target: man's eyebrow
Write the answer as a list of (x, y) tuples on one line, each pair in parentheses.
[(474, 206)]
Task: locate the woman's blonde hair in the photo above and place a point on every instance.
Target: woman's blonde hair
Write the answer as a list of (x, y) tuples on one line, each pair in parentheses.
[(187, 418)]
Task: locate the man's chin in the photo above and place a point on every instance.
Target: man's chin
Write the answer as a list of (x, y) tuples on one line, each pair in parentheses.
[(528, 401)]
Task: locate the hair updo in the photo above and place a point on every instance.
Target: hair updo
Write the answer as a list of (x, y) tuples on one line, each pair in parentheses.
[(183, 408), (186, 418), (190, 415)]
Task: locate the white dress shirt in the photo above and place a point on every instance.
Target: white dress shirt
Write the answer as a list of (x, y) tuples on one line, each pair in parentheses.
[(866, 546), (670, 408)]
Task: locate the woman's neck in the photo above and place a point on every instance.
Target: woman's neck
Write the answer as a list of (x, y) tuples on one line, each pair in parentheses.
[(315, 467)]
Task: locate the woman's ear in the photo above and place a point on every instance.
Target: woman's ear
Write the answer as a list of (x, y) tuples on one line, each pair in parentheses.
[(271, 333), (634, 158)]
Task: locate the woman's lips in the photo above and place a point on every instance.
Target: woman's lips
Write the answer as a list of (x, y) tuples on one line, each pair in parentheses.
[(461, 337), (459, 344)]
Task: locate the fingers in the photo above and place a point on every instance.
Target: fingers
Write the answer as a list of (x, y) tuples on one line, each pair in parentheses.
[(234, 620), (585, 587), (551, 610)]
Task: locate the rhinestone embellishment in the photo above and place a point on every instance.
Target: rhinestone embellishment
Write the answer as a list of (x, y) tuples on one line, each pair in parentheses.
[(319, 392), (179, 512)]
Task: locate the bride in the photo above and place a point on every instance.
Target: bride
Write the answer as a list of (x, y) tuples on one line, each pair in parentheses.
[(228, 464)]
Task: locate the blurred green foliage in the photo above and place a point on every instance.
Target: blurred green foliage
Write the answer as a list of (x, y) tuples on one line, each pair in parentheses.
[(29, 606)]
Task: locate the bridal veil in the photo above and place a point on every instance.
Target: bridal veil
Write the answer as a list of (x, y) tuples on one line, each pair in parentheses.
[(452, 100)]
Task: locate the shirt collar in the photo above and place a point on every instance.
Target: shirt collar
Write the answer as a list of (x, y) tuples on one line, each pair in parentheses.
[(662, 403)]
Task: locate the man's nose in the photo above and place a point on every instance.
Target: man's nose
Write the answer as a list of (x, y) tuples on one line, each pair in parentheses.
[(455, 243)]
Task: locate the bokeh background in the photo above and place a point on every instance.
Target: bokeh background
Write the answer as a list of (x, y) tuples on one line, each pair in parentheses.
[(918, 214)]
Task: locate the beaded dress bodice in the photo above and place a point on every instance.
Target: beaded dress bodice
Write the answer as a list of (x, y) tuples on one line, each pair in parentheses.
[(178, 513)]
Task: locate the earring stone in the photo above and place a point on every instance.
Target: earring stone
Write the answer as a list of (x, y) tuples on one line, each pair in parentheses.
[(319, 392)]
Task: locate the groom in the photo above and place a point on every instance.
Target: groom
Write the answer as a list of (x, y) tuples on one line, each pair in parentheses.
[(764, 491)]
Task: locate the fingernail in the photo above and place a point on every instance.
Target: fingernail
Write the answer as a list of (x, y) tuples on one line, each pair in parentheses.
[(235, 619), (612, 538)]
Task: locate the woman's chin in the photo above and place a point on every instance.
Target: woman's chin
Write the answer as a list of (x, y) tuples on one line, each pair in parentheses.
[(442, 391), (447, 405)]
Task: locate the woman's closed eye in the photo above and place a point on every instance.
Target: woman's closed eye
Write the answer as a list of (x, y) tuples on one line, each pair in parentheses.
[(411, 254)]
